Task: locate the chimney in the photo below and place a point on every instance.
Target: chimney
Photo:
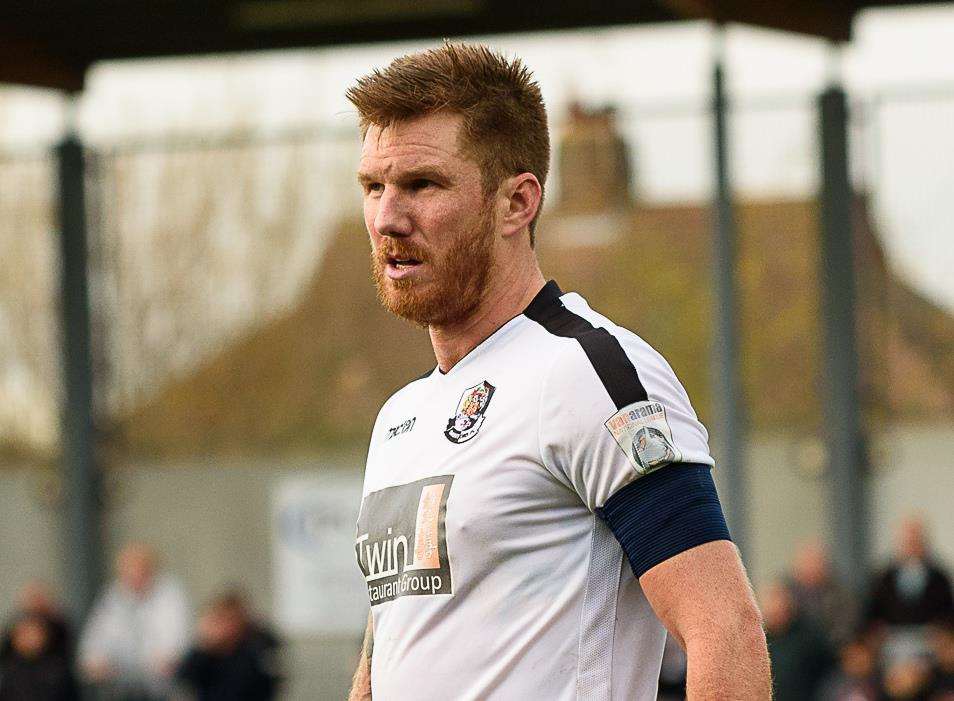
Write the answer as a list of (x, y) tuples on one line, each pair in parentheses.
[(595, 169)]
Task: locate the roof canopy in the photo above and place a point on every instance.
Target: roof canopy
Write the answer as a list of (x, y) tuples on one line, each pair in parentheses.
[(52, 43)]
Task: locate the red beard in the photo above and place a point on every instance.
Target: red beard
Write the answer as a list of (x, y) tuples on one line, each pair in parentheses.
[(458, 277)]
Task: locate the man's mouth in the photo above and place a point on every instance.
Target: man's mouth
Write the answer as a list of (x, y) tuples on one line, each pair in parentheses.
[(401, 267), (402, 263)]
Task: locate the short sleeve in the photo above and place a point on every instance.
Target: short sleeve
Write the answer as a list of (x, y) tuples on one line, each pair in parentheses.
[(612, 411)]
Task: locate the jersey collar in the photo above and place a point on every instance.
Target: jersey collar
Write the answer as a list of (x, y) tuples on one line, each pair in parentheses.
[(545, 298)]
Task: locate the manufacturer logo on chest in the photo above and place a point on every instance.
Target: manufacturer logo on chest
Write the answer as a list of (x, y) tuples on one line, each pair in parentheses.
[(470, 414), (404, 427)]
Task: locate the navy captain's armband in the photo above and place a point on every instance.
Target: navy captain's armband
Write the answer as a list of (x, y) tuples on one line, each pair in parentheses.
[(665, 513)]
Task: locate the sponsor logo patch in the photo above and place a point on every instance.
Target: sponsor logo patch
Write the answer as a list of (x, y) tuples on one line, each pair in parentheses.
[(470, 414), (642, 432), (401, 542)]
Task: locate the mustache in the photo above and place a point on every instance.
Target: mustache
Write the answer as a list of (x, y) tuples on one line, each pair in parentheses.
[(392, 249)]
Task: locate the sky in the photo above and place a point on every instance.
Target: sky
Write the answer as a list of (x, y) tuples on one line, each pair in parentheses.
[(658, 75)]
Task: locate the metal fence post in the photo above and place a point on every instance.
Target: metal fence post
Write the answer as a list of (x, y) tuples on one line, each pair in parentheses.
[(847, 478), (727, 399), (81, 478)]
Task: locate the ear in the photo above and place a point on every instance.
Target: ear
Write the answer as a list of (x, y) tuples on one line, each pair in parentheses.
[(520, 198)]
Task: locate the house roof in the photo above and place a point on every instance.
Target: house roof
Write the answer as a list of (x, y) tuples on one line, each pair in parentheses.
[(316, 377)]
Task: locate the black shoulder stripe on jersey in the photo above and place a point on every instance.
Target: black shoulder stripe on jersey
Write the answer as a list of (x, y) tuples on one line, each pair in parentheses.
[(614, 368)]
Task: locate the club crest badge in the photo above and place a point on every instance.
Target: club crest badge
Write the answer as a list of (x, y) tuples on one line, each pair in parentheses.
[(470, 413), (643, 433)]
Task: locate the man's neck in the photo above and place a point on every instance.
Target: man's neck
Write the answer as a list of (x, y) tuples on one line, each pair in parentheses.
[(505, 300)]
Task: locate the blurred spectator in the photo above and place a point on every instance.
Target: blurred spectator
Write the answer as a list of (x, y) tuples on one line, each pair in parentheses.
[(672, 674), (35, 599), (235, 657), (801, 658), (819, 596), (30, 669), (908, 679), (942, 647), (856, 678), (136, 632), (913, 589)]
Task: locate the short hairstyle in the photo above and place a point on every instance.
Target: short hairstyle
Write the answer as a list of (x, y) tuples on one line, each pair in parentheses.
[(504, 125)]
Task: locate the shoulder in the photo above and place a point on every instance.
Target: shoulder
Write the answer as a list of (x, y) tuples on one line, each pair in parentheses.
[(408, 388), (628, 367), (937, 572), (168, 589), (637, 349), (613, 374), (110, 598), (405, 392)]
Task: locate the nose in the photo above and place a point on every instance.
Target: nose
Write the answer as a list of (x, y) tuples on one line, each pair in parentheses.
[(392, 216)]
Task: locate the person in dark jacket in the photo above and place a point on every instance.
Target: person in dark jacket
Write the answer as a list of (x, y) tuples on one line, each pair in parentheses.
[(942, 645), (913, 590), (36, 599), (820, 596), (856, 678), (801, 657), (32, 669), (235, 657)]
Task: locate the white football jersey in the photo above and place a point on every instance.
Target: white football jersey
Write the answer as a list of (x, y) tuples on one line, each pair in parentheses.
[(488, 572)]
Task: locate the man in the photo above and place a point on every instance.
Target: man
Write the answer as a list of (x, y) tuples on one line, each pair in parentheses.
[(236, 658), (36, 599), (819, 596), (492, 533), (137, 630), (32, 668), (801, 656), (913, 590)]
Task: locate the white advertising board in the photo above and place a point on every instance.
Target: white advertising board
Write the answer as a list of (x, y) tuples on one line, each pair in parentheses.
[(319, 589)]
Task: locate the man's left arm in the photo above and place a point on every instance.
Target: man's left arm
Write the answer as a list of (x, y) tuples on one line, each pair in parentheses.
[(632, 447), (703, 597)]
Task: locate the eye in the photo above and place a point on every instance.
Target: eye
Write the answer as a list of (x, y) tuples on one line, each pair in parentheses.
[(421, 184), (372, 187)]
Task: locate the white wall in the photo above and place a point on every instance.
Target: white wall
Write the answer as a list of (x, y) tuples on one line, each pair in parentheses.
[(913, 472), (212, 522)]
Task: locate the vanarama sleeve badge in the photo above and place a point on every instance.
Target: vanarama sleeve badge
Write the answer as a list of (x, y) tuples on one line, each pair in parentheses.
[(470, 413), (643, 433)]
